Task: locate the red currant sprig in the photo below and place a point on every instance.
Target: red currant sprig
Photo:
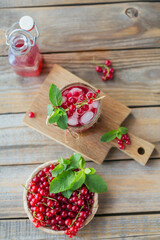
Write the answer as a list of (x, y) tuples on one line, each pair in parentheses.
[(83, 105), (105, 69), (124, 139)]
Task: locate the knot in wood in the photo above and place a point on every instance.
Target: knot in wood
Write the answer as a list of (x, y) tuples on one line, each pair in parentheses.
[(131, 12)]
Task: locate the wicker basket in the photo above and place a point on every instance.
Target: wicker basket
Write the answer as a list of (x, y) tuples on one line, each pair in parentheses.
[(29, 213)]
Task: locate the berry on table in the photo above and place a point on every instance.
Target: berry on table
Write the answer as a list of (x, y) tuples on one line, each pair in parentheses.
[(107, 63), (31, 114), (98, 69)]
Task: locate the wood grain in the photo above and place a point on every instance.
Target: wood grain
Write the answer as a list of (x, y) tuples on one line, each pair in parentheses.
[(140, 227), (90, 27), (20, 144), (131, 187), (111, 118), (33, 3), (136, 80)]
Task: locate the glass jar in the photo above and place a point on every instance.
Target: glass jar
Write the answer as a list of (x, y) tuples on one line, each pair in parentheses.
[(81, 122), (24, 56)]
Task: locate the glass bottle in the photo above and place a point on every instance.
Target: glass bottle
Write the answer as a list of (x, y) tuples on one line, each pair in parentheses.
[(24, 56)]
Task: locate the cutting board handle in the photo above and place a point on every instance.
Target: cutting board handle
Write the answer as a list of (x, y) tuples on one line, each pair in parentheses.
[(139, 149)]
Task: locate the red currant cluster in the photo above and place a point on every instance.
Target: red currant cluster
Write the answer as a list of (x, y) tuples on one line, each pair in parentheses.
[(55, 210), (82, 105), (106, 70), (124, 139)]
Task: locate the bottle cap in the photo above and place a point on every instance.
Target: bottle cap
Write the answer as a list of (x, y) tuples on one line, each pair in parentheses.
[(26, 23)]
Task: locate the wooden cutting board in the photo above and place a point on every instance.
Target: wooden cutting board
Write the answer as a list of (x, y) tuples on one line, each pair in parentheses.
[(88, 144)]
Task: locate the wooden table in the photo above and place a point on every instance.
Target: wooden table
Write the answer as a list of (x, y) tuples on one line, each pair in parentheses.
[(72, 33)]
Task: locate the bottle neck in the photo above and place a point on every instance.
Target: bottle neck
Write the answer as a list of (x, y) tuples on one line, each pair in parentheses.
[(19, 44)]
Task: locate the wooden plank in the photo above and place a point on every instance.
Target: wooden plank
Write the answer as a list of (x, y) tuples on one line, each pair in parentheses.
[(31, 3), (115, 227), (136, 80), (131, 187), (18, 143), (90, 27)]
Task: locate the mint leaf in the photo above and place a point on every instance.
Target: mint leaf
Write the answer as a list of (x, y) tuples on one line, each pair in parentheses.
[(57, 170), (64, 161), (54, 118), (118, 135), (62, 121), (123, 130), (89, 170), (79, 180), (67, 193), (82, 163), (62, 182), (49, 109), (109, 136), (75, 159), (55, 96), (95, 183)]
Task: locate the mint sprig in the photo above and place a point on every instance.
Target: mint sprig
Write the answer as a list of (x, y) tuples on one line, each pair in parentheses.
[(56, 113), (70, 175), (109, 136)]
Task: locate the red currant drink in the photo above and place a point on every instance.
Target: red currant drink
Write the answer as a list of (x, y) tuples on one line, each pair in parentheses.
[(84, 117), (26, 64)]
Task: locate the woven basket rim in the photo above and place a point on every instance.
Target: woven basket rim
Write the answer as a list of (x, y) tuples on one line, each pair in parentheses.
[(28, 211)]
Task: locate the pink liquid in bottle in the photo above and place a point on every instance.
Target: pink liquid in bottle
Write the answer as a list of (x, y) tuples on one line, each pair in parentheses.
[(24, 55), (25, 63)]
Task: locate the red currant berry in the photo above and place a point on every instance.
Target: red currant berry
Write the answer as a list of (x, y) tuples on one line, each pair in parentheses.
[(50, 203), (111, 70), (58, 218), (126, 137), (64, 214), (42, 209), (53, 221), (121, 146), (82, 214), (69, 113), (104, 78), (53, 211), (68, 221), (37, 224), (40, 216), (74, 208), (69, 206), (109, 76), (82, 97), (94, 95), (90, 101), (34, 220), (98, 69), (122, 137), (72, 100), (48, 214), (98, 91), (34, 189), (80, 202), (69, 95), (108, 63), (54, 228), (84, 191), (38, 196), (56, 204), (46, 170), (80, 110), (89, 95), (119, 141), (31, 115), (72, 108), (128, 142), (105, 71), (85, 107)]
